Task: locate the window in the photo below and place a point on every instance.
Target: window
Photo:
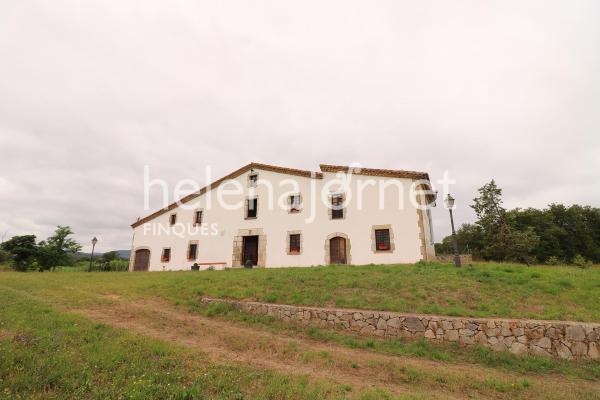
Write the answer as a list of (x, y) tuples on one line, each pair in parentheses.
[(337, 206), (295, 243), (166, 255), (382, 239), (295, 205), (192, 251), (251, 209), (252, 180), (173, 219), (198, 218)]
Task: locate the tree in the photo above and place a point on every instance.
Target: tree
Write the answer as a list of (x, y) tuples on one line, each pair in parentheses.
[(58, 249), (552, 235), (5, 256), (110, 256), (500, 240), (23, 251), (469, 238)]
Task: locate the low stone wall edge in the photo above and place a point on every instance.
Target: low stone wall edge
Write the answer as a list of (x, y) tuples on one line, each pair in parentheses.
[(561, 339)]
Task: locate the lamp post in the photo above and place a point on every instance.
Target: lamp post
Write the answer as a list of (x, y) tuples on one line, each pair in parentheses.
[(450, 205), (94, 241)]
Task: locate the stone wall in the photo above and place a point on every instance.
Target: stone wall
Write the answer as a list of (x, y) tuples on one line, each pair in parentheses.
[(567, 340)]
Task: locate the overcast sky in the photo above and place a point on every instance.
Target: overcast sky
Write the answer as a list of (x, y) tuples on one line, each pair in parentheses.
[(92, 91)]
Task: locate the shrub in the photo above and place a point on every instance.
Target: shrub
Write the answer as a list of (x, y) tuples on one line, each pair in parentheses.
[(552, 260), (4, 256), (581, 261)]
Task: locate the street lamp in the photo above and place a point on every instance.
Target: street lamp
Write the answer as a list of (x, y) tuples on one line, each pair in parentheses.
[(450, 205), (94, 241)]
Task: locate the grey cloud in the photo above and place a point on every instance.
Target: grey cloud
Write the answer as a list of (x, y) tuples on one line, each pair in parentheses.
[(89, 94)]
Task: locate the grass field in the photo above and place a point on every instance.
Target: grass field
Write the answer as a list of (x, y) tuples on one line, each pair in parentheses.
[(144, 335), (480, 290)]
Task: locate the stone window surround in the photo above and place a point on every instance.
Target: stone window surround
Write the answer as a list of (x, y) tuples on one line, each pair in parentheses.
[(374, 241), (162, 255), (132, 257), (238, 244), (191, 242), (300, 205), (330, 206), (327, 248), (287, 243), (248, 198)]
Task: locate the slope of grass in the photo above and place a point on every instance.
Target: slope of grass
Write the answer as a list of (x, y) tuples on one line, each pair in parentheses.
[(48, 354), (479, 290)]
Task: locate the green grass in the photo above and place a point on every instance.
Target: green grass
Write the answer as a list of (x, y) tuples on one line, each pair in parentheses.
[(54, 355), (479, 290), (48, 353)]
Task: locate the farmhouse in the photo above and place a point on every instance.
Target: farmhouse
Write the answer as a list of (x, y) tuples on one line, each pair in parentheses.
[(268, 216)]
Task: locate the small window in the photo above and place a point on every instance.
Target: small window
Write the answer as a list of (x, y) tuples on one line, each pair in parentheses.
[(382, 239), (295, 243), (337, 206), (173, 219), (192, 251), (295, 205), (252, 180), (198, 218), (251, 209), (166, 255)]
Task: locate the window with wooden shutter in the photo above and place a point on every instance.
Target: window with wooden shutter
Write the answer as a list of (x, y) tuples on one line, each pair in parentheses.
[(192, 251), (295, 243), (382, 239), (166, 255), (173, 219), (337, 206)]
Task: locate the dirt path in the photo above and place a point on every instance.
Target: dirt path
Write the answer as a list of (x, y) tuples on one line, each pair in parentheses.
[(225, 341)]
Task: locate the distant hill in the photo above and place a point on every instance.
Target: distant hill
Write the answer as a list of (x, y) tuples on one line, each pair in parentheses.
[(122, 253)]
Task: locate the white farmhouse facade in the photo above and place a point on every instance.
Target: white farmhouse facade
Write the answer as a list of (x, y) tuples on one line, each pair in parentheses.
[(270, 216)]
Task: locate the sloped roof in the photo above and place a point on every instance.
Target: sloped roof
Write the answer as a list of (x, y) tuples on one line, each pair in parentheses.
[(390, 173)]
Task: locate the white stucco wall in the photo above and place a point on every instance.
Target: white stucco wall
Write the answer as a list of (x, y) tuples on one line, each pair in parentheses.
[(276, 222)]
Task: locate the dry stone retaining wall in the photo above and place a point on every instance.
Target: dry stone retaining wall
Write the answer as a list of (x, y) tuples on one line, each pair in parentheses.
[(567, 340)]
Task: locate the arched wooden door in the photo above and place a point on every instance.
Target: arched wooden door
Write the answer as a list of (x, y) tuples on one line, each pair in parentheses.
[(337, 250), (141, 261)]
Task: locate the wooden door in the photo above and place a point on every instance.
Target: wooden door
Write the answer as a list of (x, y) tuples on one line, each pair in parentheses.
[(142, 260), (250, 250), (337, 250)]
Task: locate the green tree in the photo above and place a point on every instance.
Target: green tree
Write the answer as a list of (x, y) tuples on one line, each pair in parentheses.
[(5, 256), (58, 249), (500, 240), (110, 256), (23, 251)]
